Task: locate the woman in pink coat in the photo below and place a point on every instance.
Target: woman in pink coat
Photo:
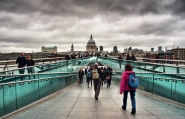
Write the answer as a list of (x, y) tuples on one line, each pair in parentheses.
[(125, 88)]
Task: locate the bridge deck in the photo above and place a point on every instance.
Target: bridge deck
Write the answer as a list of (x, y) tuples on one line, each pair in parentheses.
[(77, 102)]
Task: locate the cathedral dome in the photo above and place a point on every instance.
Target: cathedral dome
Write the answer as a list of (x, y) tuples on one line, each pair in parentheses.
[(91, 41)]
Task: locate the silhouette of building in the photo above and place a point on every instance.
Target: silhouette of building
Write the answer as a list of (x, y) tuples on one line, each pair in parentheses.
[(101, 48), (152, 49), (72, 48), (160, 49), (130, 48), (115, 49)]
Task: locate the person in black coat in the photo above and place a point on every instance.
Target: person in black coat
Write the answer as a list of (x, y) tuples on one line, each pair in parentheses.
[(67, 57), (128, 57), (30, 62), (133, 58), (73, 56), (120, 58), (109, 76), (21, 61), (86, 70), (81, 75)]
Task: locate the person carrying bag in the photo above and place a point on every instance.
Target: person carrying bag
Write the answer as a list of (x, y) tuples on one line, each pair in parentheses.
[(125, 88)]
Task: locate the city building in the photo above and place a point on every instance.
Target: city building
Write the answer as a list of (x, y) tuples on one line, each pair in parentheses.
[(115, 49), (179, 53), (152, 56), (91, 47), (49, 49), (72, 48), (166, 55), (130, 48), (101, 48), (152, 49), (160, 49)]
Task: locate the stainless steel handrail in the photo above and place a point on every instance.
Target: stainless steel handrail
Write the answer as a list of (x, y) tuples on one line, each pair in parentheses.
[(1, 84)]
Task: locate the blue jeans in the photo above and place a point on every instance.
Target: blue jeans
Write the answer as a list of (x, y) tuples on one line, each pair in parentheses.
[(133, 100)]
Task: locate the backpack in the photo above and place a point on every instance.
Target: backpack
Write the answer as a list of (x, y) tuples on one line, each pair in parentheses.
[(133, 81), (89, 74), (95, 74)]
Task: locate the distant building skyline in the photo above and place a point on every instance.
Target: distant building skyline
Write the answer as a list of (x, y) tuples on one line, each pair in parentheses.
[(49, 49)]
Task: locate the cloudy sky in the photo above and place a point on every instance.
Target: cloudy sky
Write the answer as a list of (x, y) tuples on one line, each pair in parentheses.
[(27, 25)]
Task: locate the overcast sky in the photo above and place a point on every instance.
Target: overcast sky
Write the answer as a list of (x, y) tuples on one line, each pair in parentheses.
[(27, 25)]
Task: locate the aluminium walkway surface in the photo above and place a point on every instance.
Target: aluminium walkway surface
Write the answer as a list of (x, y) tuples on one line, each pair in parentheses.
[(77, 102)]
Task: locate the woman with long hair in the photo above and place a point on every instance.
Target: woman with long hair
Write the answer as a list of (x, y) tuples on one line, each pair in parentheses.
[(124, 88)]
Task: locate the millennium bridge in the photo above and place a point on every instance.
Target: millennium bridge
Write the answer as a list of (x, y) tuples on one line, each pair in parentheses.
[(52, 92)]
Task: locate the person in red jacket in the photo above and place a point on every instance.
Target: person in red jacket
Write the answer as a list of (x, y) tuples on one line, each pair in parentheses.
[(124, 88)]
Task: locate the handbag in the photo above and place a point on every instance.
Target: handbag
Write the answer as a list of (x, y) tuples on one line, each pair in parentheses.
[(78, 81), (107, 77)]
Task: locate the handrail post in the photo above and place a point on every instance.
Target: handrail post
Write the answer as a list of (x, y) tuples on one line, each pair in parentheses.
[(171, 90), (153, 85), (164, 68), (4, 99), (16, 95)]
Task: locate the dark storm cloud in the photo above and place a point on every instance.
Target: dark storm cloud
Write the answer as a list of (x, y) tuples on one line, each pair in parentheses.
[(162, 28), (82, 8), (35, 23), (177, 7)]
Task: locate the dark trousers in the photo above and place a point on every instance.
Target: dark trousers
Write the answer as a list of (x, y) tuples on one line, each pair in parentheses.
[(89, 80), (30, 70), (120, 63), (21, 71), (81, 80), (108, 82), (132, 97), (97, 85)]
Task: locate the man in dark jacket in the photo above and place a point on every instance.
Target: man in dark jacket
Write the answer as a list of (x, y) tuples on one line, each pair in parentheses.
[(21, 61), (73, 56), (133, 58), (67, 57), (97, 82)]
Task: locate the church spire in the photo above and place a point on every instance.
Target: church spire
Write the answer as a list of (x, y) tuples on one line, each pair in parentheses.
[(91, 36)]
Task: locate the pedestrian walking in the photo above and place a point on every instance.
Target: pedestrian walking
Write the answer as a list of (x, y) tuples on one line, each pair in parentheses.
[(30, 62), (124, 88), (96, 76), (81, 75), (21, 61), (109, 75)]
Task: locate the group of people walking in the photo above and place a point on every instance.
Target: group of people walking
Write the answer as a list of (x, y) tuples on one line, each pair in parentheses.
[(106, 75), (102, 75)]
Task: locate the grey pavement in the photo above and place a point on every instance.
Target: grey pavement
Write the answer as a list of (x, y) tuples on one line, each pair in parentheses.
[(77, 102)]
